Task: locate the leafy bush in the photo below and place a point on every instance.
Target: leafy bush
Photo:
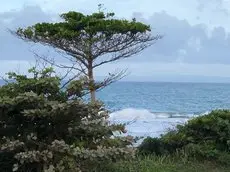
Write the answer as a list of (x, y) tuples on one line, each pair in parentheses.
[(46, 128), (152, 145), (206, 136)]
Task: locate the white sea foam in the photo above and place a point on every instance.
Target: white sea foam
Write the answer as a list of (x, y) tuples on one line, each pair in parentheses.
[(131, 114), (142, 122)]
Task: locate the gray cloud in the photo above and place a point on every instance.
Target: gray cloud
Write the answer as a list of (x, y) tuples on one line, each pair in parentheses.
[(12, 48), (186, 43), (183, 42)]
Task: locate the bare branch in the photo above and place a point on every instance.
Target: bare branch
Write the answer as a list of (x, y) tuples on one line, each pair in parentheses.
[(4, 79), (41, 64), (122, 55), (120, 42), (61, 66), (113, 77), (69, 80), (123, 46), (44, 60), (74, 47), (81, 67)]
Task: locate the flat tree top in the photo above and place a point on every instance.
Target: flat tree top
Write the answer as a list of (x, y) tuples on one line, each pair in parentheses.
[(75, 24)]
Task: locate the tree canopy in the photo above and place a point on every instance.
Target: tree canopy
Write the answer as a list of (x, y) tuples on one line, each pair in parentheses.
[(91, 40)]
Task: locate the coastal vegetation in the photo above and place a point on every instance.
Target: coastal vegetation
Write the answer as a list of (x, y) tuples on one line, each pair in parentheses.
[(202, 144), (47, 126)]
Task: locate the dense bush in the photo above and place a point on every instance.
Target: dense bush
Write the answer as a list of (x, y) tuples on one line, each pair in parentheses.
[(206, 136), (46, 128)]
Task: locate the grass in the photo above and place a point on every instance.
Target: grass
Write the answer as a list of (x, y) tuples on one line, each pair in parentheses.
[(164, 164)]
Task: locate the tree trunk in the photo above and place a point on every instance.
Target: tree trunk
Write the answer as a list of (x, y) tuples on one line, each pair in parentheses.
[(91, 82)]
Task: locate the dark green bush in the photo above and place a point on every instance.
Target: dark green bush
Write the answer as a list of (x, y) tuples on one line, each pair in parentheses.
[(153, 146), (206, 136), (46, 128)]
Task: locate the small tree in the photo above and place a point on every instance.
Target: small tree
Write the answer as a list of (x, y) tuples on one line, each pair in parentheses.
[(45, 128), (91, 41)]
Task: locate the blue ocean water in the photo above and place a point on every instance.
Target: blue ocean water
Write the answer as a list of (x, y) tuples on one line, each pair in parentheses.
[(187, 98), (152, 108)]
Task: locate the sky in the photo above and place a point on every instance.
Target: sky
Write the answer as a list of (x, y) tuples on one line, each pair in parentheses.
[(195, 47)]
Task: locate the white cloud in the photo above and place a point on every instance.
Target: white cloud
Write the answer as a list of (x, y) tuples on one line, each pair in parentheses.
[(211, 12)]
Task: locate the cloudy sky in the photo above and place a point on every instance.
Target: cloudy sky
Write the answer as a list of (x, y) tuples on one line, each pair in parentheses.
[(196, 46)]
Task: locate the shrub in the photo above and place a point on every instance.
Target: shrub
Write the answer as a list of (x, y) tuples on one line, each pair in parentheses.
[(206, 136), (46, 128), (152, 146)]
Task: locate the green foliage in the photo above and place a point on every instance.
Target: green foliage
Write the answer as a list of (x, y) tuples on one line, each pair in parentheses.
[(152, 145), (45, 128), (76, 23), (204, 137), (42, 82), (164, 164)]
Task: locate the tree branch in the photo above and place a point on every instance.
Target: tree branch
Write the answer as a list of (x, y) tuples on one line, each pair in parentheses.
[(113, 77), (62, 66)]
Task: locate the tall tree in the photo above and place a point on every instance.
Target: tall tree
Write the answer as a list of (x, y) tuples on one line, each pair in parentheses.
[(90, 41)]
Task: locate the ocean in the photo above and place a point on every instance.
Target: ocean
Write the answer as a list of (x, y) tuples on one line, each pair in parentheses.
[(150, 109)]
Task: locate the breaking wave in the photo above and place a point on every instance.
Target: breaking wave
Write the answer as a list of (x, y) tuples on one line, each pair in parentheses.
[(131, 114), (142, 122)]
